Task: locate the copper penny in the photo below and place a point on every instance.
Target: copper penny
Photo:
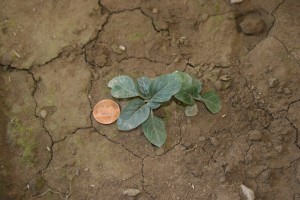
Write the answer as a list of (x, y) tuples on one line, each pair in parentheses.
[(106, 111)]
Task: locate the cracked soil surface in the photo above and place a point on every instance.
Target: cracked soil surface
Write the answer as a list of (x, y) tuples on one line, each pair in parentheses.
[(57, 57)]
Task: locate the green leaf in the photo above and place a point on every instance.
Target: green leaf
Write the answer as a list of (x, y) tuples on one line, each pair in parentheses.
[(123, 87), (135, 113), (212, 101), (190, 89), (143, 85), (153, 105), (155, 130), (191, 111), (164, 87)]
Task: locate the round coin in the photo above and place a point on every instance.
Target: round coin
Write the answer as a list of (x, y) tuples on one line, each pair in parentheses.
[(106, 111)]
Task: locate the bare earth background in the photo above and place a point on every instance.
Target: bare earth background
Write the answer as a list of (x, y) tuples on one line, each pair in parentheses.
[(56, 60)]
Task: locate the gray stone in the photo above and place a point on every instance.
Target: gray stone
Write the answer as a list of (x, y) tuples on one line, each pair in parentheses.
[(132, 192)]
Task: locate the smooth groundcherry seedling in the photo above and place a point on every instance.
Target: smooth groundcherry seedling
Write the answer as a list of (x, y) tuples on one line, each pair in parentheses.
[(148, 94)]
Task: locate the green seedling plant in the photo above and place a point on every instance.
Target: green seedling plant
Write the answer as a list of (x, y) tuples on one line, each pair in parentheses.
[(149, 94)]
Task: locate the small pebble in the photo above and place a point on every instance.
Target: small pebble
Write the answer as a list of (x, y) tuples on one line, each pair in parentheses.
[(278, 148), (122, 48), (247, 193), (255, 135), (201, 139), (43, 114), (272, 82), (176, 60), (218, 85), (214, 141), (224, 78), (286, 91), (248, 159), (132, 192), (182, 40), (155, 10), (236, 1), (280, 90)]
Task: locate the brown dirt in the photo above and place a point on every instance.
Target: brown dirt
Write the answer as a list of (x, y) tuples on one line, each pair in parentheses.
[(56, 60)]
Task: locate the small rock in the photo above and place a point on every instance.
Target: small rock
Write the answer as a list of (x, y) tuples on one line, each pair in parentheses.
[(132, 192), (43, 114), (286, 91), (155, 10), (248, 159), (236, 1), (214, 141), (122, 48), (218, 85), (278, 148), (272, 82), (222, 179), (247, 193), (255, 135), (182, 40), (201, 139), (176, 60), (225, 78), (252, 24)]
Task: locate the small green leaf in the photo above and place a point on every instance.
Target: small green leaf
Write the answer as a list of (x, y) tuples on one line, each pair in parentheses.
[(212, 101), (191, 111), (164, 87), (189, 90), (135, 113), (143, 85), (155, 130), (122, 87)]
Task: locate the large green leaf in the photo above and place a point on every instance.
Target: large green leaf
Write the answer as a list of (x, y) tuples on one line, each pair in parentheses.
[(135, 113), (212, 101), (143, 85), (190, 89), (153, 105), (155, 130), (164, 87), (123, 87)]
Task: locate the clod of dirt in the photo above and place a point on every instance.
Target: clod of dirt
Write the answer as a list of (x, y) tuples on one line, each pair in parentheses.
[(218, 85), (272, 82), (43, 114), (255, 135), (214, 141), (247, 193), (155, 10), (132, 192), (252, 24)]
